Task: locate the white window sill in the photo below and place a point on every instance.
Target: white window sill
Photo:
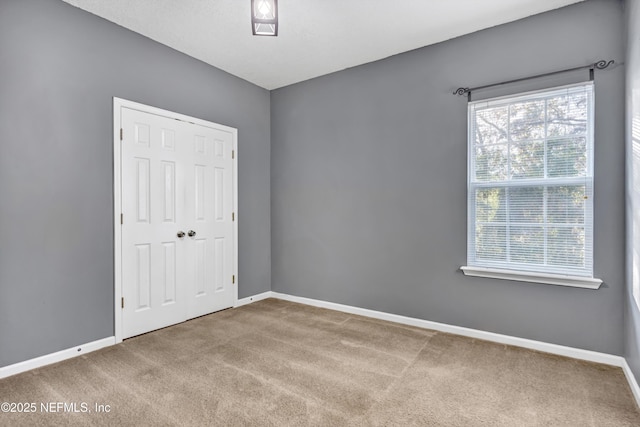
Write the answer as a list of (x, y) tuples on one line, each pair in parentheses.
[(549, 279)]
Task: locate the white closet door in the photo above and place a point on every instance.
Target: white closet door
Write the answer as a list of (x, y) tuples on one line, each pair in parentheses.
[(209, 180), (154, 211)]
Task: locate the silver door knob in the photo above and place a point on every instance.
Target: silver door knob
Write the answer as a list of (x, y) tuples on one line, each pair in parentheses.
[(191, 233), (180, 234)]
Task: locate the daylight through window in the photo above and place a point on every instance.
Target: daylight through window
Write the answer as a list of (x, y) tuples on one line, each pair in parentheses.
[(530, 182)]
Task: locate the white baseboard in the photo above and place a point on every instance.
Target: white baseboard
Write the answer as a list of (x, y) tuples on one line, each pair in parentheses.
[(635, 388), (58, 356), (254, 298)]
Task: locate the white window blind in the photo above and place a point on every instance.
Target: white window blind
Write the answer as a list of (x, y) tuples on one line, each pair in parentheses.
[(530, 182)]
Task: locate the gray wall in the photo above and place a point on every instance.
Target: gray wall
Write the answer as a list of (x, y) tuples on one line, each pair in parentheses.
[(59, 69), (632, 313), (368, 182)]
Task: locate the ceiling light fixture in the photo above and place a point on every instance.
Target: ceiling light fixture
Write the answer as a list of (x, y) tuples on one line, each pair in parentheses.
[(264, 17)]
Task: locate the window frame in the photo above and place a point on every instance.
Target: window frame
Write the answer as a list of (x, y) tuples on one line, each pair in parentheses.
[(541, 273)]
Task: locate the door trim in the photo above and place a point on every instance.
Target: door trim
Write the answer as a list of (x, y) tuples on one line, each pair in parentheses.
[(118, 104)]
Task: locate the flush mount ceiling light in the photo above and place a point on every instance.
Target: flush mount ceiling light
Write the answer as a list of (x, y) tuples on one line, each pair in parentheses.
[(264, 17)]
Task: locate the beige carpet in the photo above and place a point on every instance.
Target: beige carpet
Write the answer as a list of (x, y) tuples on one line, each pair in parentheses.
[(276, 363)]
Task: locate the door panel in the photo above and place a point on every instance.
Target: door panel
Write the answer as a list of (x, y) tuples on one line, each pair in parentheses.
[(218, 256), (142, 187), (169, 272), (211, 165), (169, 193), (152, 256), (143, 277)]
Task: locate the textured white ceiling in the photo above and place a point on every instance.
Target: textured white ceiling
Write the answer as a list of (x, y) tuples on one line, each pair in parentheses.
[(315, 37)]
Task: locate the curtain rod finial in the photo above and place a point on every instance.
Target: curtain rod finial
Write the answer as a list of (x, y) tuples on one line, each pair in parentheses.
[(602, 64), (461, 91)]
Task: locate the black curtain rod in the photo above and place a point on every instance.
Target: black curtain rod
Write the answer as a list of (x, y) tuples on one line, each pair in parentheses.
[(600, 65)]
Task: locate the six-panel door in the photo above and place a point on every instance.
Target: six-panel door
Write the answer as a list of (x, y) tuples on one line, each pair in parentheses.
[(209, 209)]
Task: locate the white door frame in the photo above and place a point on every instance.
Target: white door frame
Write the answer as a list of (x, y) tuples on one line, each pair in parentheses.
[(118, 104)]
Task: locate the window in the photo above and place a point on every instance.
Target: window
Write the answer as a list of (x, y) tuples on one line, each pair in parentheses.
[(530, 185)]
